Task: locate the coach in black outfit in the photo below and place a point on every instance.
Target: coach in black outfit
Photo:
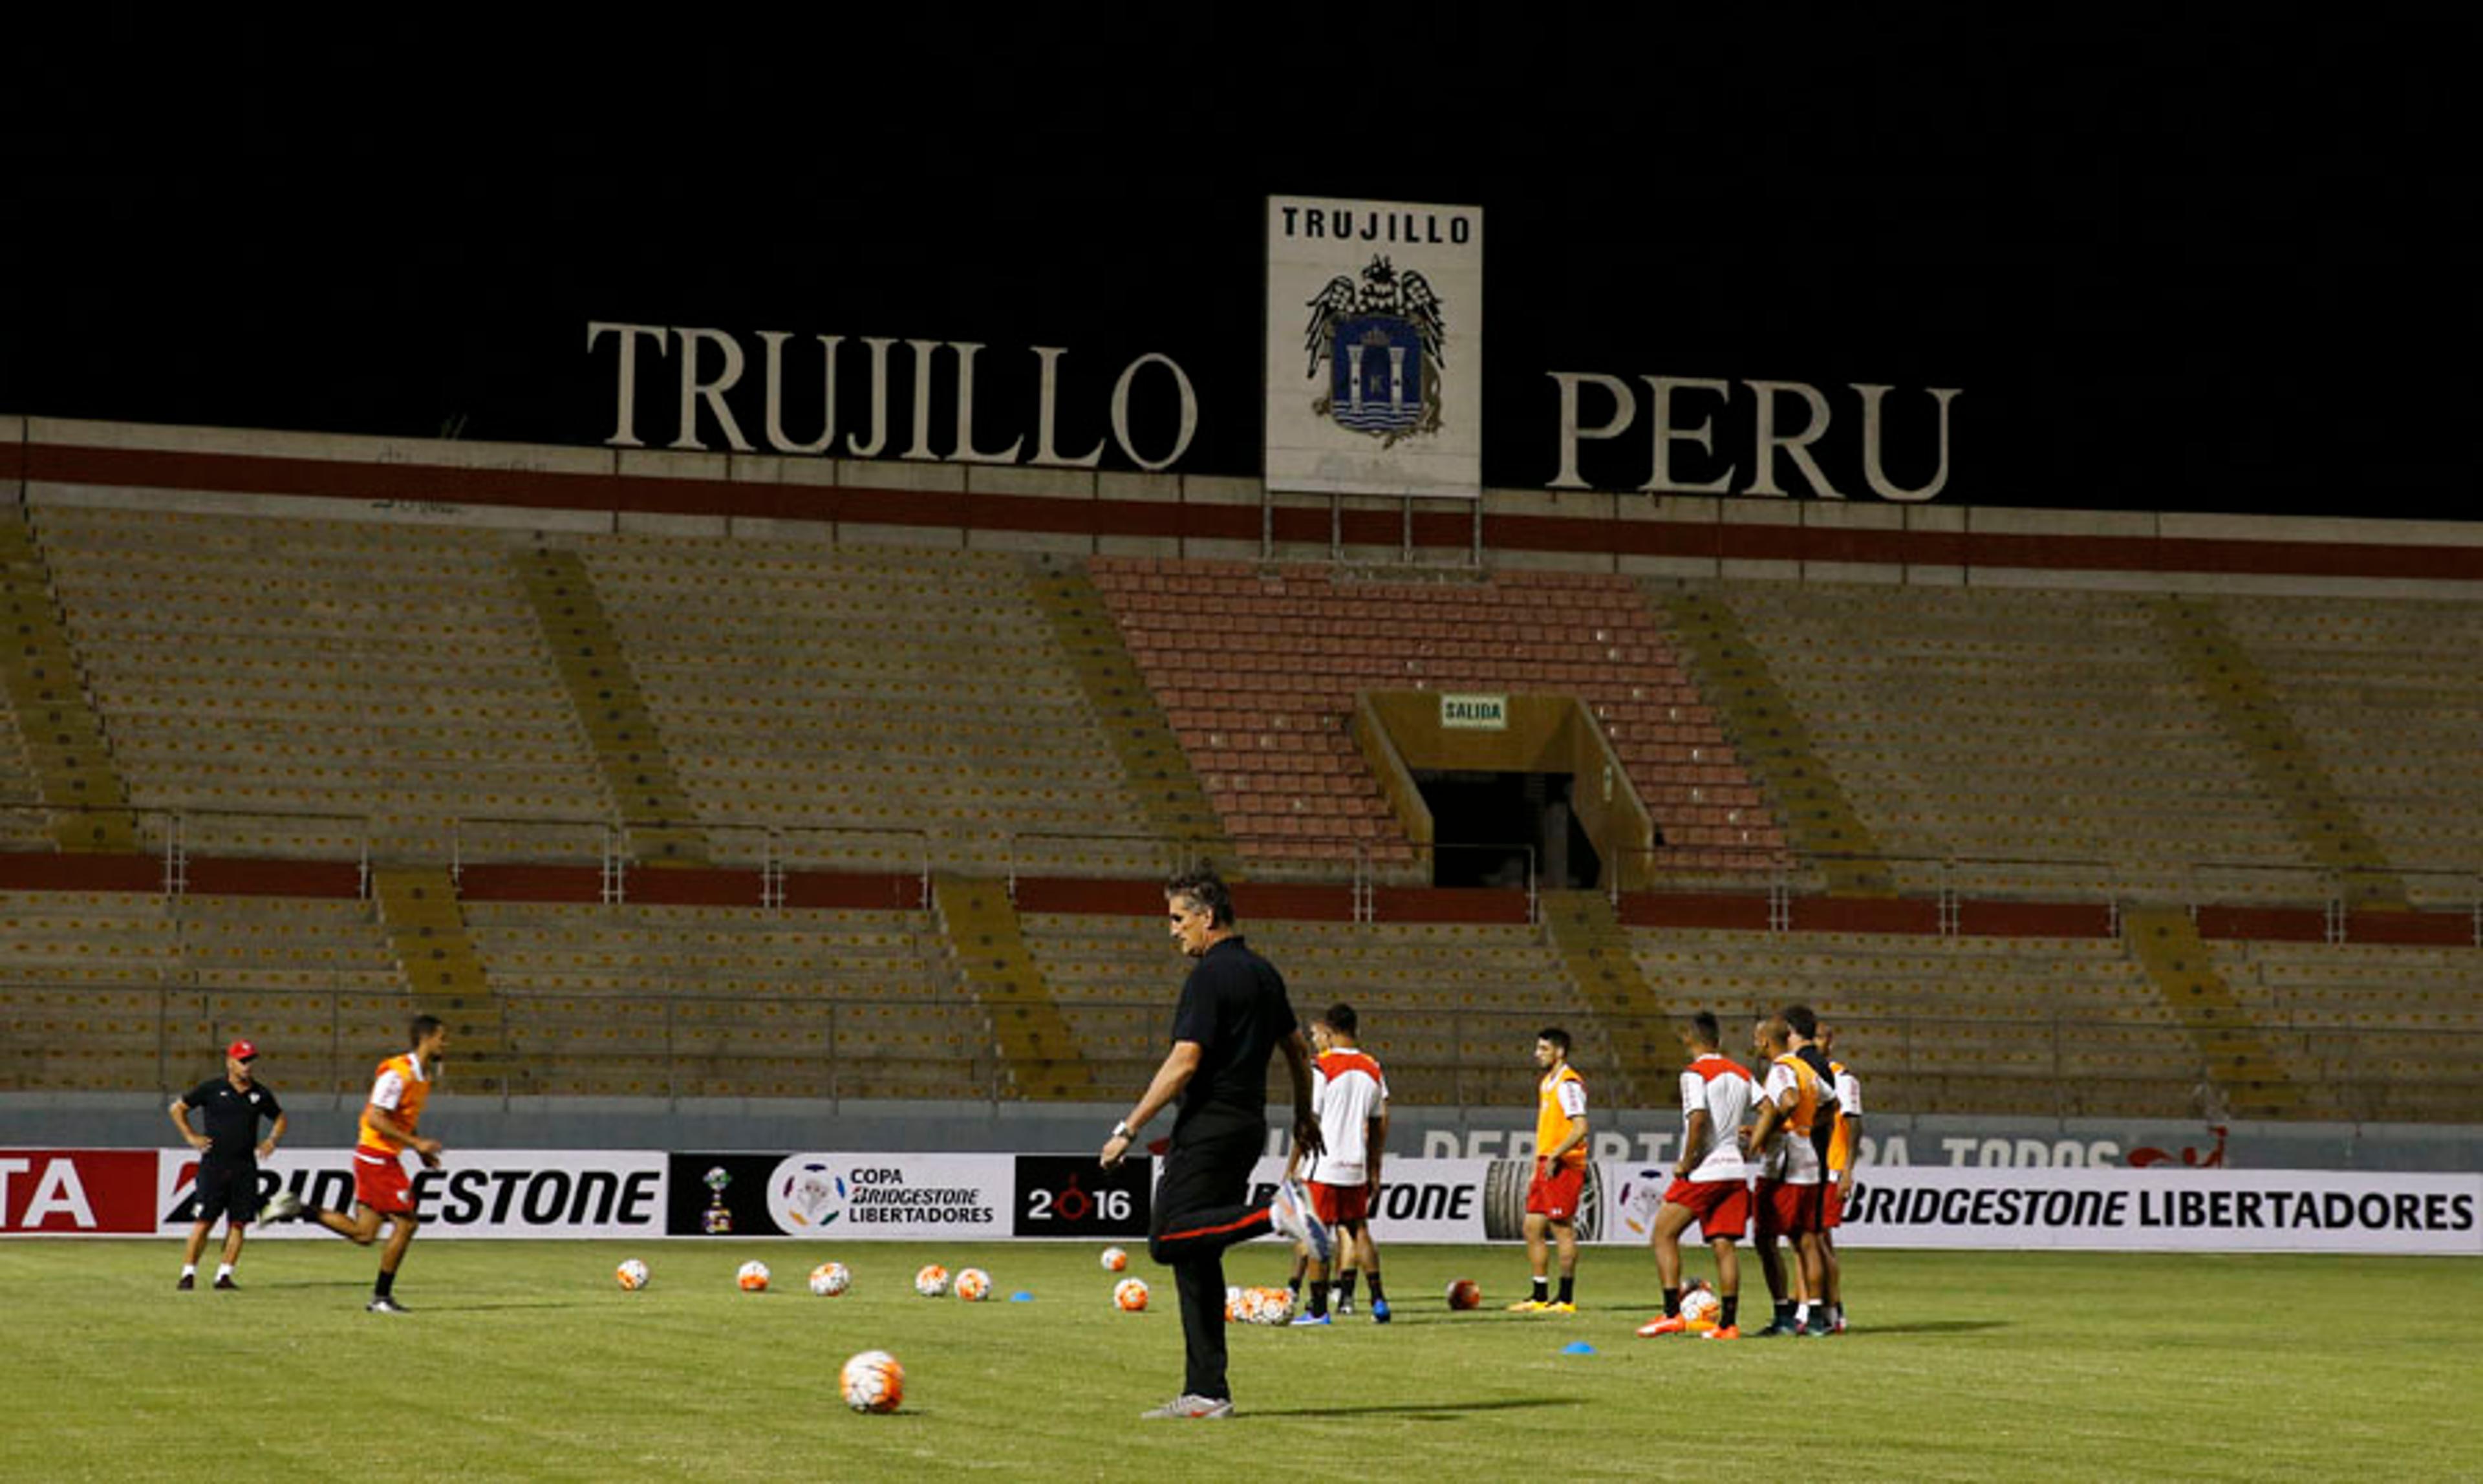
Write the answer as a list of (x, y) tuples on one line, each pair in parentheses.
[(1233, 1014), (231, 1151)]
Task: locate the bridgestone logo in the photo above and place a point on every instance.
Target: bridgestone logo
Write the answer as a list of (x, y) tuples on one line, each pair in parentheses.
[(953, 1206)]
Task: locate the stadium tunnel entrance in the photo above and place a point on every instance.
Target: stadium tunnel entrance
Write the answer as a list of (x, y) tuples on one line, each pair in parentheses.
[(1478, 781), (1483, 826)]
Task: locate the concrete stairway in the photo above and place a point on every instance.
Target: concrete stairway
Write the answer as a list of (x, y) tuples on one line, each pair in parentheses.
[(629, 748), (1042, 1055), (65, 739)]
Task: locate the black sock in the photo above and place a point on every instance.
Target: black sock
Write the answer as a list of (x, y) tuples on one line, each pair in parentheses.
[(1542, 1290), (1345, 1287), (1732, 1311), (1319, 1299), (1672, 1303), (386, 1286), (1297, 1286), (1377, 1297), (1568, 1283), (1784, 1312)]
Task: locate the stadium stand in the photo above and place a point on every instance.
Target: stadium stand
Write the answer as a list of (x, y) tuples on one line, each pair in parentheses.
[(706, 1001), (389, 677), (915, 700), (2389, 698), (2044, 1027), (2023, 742), (2369, 1032), (1451, 1008), (1264, 715)]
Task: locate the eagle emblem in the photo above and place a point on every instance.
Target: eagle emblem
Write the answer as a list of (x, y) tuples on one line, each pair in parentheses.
[(1383, 340)]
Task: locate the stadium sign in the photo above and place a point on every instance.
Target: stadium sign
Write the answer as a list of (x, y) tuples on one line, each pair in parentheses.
[(2184, 1210), (712, 369), (1748, 441), (1373, 348), (850, 1196)]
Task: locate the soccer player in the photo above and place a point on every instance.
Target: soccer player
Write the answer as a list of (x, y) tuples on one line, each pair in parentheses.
[(229, 1151), (1790, 1101), (1710, 1181), (390, 1126), (1233, 1015), (1351, 1099), (1559, 1172), (1844, 1147)]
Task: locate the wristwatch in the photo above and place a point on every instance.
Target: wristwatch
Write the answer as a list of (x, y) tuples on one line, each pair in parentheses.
[(1123, 1131)]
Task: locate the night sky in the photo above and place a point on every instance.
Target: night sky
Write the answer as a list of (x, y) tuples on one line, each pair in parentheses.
[(2187, 272)]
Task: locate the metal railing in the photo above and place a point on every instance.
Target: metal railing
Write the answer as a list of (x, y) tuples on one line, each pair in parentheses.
[(833, 1046), (178, 835)]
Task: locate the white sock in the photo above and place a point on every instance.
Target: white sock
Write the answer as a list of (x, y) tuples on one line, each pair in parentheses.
[(189, 1270), (224, 1270), (1801, 1312)]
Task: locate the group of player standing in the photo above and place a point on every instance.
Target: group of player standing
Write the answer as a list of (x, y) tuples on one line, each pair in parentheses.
[(1777, 1146), (1790, 1167)]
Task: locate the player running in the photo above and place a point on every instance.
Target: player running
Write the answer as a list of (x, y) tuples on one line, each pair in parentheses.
[(1710, 1181), (390, 1125)]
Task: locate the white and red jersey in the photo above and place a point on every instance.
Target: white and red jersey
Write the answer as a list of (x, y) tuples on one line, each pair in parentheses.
[(1789, 1156), (1720, 1088), (1347, 1093)]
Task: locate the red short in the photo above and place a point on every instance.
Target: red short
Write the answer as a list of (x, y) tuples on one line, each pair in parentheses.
[(1723, 1207), (1335, 1204), (1555, 1195), (1831, 1206), (379, 1183), (1787, 1209)]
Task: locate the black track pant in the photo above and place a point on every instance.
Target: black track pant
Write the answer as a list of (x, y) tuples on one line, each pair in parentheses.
[(1198, 1212)]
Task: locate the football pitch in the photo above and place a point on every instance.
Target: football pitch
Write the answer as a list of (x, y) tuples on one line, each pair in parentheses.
[(525, 1361)]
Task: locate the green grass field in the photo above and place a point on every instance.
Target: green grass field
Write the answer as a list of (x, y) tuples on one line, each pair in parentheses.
[(523, 1361)]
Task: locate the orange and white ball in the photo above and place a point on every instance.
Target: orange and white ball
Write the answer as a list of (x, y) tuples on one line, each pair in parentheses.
[(753, 1277), (1115, 1261), (631, 1275), (974, 1284), (872, 1382), (1129, 1295), (830, 1278), (932, 1282)]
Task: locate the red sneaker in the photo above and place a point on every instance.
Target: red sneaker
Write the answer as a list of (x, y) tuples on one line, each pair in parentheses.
[(1662, 1324)]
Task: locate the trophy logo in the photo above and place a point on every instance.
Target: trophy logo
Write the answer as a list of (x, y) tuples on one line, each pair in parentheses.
[(715, 1220)]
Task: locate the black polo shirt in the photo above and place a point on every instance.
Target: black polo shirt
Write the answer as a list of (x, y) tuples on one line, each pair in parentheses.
[(1234, 1005), (232, 1116)]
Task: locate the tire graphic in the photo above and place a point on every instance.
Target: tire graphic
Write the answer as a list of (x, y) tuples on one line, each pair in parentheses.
[(1503, 1201)]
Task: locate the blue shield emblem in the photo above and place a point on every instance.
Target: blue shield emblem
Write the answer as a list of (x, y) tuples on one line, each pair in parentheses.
[(1376, 374)]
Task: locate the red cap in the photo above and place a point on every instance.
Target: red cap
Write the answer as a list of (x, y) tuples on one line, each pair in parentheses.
[(241, 1051)]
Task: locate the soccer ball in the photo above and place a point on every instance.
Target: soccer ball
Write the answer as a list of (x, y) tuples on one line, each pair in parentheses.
[(631, 1275), (1129, 1295), (1465, 1294), (974, 1284), (1700, 1305), (1115, 1261), (830, 1278), (753, 1277), (1271, 1306), (872, 1382), (932, 1282)]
